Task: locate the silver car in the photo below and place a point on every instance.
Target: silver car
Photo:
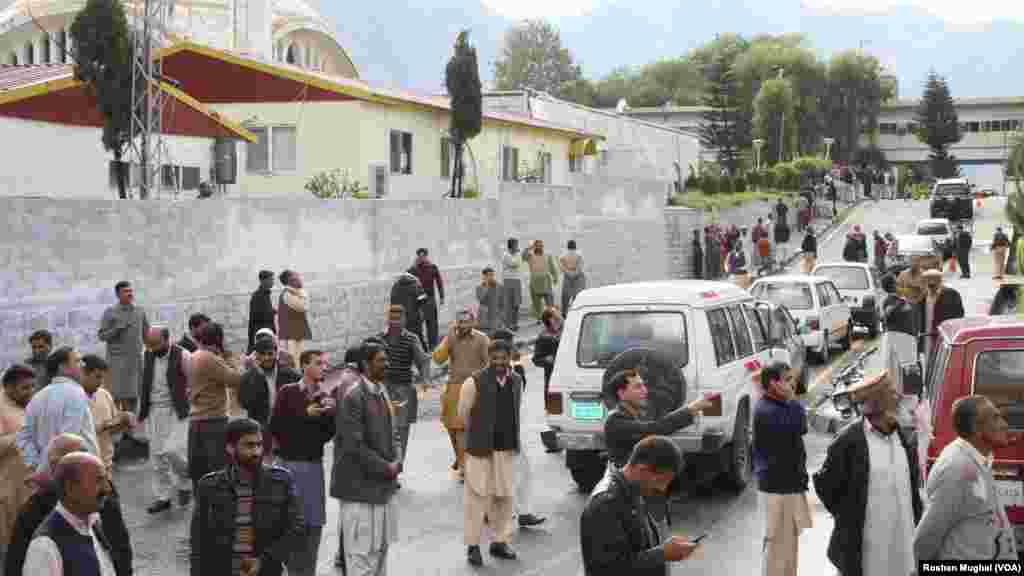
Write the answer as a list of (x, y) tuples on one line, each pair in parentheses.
[(785, 337)]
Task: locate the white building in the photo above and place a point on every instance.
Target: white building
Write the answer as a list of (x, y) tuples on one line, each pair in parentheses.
[(988, 126), (632, 147)]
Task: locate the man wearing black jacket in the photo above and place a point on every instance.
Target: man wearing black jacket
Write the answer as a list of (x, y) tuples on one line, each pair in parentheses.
[(874, 521), (617, 534), (190, 340), (44, 501), (260, 384), (261, 309), (780, 466)]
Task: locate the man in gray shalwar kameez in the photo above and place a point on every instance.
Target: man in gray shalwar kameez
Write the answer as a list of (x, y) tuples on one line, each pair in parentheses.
[(122, 327), (511, 285), (573, 278)]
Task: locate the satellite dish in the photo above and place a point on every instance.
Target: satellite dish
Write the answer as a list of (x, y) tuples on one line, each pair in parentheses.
[(622, 106)]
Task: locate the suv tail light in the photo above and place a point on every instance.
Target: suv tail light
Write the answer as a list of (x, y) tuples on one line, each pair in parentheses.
[(553, 403), (812, 323)]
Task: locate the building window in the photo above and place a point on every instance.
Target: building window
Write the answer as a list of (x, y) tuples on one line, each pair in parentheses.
[(14, 58), (44, 53), (887, 128), (972, 127), (401, 152), (30, 53), (290, 56), (574, 163), (446, 158), (509, 163), (62, 46), (275, 150), (544, 166)]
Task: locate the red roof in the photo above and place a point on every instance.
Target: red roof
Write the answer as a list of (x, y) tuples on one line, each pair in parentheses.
[(962, 330), (50, 93)]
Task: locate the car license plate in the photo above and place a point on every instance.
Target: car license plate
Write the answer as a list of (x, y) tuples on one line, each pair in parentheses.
[(1011, 492), (588, 410)]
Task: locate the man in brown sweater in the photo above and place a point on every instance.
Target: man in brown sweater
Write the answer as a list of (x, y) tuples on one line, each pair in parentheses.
[(214, 373), (292, 317), (466, 348)]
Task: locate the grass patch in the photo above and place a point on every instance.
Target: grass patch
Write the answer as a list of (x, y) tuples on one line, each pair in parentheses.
[(701, 201)]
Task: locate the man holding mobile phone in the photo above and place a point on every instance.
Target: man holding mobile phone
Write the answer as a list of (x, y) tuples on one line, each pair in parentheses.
[(617, 533), (780, 466)]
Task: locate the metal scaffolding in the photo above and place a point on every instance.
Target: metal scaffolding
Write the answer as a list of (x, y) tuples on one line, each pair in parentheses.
[(147, 147)]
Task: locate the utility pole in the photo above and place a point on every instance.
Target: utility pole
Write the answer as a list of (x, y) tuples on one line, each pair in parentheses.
[(148, 28), (782, 123)]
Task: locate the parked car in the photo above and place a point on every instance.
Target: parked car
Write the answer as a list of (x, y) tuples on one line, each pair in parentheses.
[(715, 335), (824, 318), (952, 199), (861, 288), (982, 355), (1007, 297), (939, 230), (784, 335), (908, 246)]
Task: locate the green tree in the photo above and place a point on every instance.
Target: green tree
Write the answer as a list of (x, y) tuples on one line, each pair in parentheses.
[(1015, 201), (533, 57), (718, 130), (853, 98), (103, 61), (462, 78), (938, 125), (773, 118)]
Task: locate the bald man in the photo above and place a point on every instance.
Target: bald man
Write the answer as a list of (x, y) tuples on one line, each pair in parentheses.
[(69, 542), (45, 501)]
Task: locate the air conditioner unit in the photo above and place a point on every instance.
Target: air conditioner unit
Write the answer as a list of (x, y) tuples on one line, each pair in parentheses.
[(379, 175)]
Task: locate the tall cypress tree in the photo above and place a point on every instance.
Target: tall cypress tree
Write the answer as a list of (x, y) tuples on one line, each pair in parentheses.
[(718, 127), (938, 126), (462, 78)]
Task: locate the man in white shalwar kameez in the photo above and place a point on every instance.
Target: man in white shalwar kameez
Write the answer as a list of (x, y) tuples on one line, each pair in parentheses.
[(489, 404)]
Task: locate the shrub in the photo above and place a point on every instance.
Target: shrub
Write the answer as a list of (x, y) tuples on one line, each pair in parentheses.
[(787, 177), (709, 184), (470, 193), (811, 164), (335, 184), (767, 178), (691, 182), (725, 185), (740, 184), (753, 179)]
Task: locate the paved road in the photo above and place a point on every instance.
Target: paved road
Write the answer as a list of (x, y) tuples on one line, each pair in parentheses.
[(431, 502)]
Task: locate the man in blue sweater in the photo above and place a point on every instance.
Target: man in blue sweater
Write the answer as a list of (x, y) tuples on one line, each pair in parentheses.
[(780, 466)]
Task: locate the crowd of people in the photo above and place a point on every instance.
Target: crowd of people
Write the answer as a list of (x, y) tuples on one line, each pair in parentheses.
[(240, 436)]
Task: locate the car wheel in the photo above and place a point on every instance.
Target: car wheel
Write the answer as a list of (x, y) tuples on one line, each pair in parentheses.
[(844, 344), (875, 327), (740, 462), (586, 474)]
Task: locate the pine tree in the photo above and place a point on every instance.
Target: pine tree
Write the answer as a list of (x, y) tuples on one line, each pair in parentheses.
[(462, 78), (718, 128), (938, 126)]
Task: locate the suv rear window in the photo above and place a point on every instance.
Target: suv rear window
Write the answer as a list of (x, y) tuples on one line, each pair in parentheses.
[(845, 277), (605, 335), (791, 295), (932, 230)]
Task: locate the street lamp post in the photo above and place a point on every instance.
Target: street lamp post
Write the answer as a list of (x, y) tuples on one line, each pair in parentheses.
[(757, 153), (828, 156), (782, 123)]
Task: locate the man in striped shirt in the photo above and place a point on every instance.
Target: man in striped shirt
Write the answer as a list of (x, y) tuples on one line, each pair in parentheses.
[(404, 352)]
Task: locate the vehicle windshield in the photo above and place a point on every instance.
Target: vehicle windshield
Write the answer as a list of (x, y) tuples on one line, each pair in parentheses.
[(932, 229), (951, 190), (999, 374), (845, 277), (792, 295), (605, 335)]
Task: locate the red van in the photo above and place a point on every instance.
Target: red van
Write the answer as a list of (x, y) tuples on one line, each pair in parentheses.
[(982, 355)]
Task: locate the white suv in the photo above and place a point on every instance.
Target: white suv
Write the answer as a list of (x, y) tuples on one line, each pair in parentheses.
[(714, 333)]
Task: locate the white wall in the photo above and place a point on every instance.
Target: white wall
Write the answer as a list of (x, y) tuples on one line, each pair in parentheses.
[(61, 161)]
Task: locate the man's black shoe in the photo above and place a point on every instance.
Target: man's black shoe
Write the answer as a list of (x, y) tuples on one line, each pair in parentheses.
[(502, 550), (530, 520), (184, 498), (159, 506), (474, 557)]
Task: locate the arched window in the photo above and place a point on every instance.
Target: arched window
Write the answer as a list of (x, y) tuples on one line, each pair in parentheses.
[(30, 53), (291, 56), (62, 46), (14, 59), (45, 57)]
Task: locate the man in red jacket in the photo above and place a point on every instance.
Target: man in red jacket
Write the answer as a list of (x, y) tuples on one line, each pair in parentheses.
[(429, 276)]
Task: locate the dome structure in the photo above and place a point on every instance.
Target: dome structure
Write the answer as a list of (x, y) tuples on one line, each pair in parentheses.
[(289, 31)]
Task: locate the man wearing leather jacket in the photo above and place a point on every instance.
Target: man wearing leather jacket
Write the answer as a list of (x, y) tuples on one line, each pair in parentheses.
[(617, 534)]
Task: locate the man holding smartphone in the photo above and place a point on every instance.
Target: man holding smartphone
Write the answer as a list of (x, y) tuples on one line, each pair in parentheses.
[(780, 466), (617, 533)]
